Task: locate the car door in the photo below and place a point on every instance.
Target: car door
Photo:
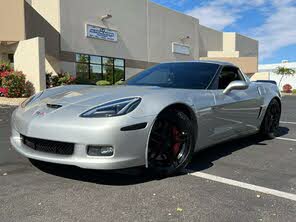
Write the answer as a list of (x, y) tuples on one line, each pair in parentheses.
[(235, 112)]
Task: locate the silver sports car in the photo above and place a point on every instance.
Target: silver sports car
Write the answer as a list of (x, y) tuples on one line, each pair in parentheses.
[(158, 118)]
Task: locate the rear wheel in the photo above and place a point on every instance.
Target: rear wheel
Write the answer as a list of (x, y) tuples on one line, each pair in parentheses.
[(171, 143), (271, 121)]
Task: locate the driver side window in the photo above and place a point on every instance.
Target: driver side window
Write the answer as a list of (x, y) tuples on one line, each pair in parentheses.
[(228, 75)]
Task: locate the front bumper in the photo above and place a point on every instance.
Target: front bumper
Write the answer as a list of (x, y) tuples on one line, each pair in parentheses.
[(129, 146)]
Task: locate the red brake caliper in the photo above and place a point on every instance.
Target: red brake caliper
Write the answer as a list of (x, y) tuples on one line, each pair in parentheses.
[(176, 145)]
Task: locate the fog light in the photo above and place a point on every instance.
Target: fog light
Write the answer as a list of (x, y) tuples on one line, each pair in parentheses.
[(100, 151)]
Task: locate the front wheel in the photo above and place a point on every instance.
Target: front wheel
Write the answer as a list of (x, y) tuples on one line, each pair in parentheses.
[(271, 121), (171, 143)]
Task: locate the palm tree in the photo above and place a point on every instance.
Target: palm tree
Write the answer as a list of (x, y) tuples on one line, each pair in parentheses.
[(283, 71)]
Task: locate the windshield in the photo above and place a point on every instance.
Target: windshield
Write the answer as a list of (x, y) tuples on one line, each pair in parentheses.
[(186, 75)]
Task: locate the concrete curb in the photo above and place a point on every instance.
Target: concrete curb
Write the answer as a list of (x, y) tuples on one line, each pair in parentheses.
[(11, 101)]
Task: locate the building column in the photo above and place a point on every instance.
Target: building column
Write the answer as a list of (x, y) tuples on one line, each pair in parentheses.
[(29, 58)]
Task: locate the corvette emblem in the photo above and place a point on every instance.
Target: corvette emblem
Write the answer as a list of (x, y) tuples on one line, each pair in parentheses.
[(39, 113)]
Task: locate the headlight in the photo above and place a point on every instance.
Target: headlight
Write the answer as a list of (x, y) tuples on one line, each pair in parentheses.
[(31, 99), (115, 108)]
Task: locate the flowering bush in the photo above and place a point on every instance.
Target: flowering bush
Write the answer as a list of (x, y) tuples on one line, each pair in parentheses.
[(4, 74), (5, 68), (3, 91), (59, 80), (29, 89), (13, 84), (287, 88)]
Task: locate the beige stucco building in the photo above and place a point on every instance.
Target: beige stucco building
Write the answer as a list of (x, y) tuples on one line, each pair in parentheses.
[(110, 39)]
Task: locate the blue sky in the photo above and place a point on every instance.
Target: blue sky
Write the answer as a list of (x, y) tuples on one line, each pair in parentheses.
[(272, 22)]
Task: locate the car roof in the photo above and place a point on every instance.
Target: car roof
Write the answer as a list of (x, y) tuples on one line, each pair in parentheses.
[(221, 63)]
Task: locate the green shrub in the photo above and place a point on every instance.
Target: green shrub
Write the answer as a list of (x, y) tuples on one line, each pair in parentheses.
[(59, 80), (120, 82), (15, 84), (103, 83), (294, 91)]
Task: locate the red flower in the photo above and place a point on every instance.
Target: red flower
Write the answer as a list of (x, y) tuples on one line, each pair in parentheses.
[(4, 91), (4, 74)]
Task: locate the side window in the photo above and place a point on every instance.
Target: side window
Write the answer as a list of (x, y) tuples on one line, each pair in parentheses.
[(228, 75)]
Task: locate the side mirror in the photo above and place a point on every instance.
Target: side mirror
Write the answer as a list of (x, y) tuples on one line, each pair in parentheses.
[(236, 85)]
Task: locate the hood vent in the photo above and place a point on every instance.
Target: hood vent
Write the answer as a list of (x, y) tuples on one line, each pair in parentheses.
[(54, 106)]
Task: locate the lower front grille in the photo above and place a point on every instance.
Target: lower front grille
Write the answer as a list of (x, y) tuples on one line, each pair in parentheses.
[(48, 146)]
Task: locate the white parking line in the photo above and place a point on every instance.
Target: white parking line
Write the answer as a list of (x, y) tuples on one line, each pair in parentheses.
[(247, 186), (287, 139), (283, 122)]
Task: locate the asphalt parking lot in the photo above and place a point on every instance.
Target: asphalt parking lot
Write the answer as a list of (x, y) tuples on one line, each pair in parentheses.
[(244, 180)]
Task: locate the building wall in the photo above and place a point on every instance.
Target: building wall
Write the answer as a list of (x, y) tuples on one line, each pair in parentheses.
[(3, 57), (229, 42), (165, 27), (50, 12), (130, 72), (7, 49), (52, 65), (12, 20), (68, 67), (247, 47), (248, 65), (239, 50), (139, 26), (209, 40), (229, 47), (129, 19), (38, 24)]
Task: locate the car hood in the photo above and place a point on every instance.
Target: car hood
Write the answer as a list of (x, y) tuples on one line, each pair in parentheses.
[(71, 101), (93, 95)]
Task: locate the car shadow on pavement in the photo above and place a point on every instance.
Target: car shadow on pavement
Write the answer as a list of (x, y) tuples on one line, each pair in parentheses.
[(206, 158), (123, 177)]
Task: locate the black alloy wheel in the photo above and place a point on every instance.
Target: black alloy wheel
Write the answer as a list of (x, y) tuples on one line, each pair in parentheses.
[(171, 143), (271, 121)]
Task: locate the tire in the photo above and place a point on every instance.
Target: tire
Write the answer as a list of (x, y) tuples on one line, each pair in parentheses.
[(270, 124), (171, 143)]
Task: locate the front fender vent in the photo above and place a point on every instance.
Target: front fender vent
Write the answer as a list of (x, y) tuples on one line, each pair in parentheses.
[(54, 106)]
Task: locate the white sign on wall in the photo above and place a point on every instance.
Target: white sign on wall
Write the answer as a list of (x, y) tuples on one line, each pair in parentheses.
[(97, 32), (180, 48)]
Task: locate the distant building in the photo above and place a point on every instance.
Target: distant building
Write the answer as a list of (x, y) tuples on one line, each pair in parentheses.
[(267, 72)]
